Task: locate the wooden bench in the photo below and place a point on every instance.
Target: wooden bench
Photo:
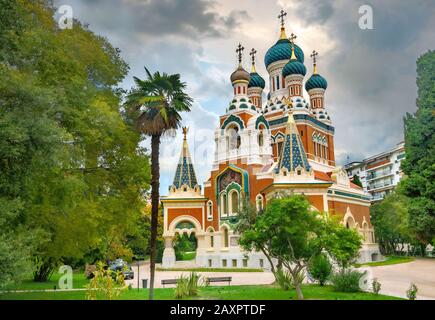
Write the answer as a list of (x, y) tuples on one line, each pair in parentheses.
[(168, 281), (219, 279)]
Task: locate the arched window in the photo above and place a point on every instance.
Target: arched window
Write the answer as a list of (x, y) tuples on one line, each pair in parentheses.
[(224, 205), (259, 202), (233, 137), (226, 237), (234, 199), (211, 238), (261, 138), (210, 210)]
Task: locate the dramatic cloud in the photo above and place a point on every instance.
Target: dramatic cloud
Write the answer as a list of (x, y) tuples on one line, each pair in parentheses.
[(371, 73)]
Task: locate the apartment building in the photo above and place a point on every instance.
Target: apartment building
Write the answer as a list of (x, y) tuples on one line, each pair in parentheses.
[(379, 174)]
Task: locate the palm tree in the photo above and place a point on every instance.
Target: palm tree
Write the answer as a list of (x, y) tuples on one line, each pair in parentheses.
[(156, 104)]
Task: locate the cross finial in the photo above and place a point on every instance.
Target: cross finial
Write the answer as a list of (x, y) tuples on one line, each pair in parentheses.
[(239, 51), (292, 38), (185, 130), (252, 54), (281, 16), (314, 56)]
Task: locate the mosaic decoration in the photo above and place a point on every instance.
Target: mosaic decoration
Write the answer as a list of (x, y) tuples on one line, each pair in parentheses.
[(228, 177), (185, 225)]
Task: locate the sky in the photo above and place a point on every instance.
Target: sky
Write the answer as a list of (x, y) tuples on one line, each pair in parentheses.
[(371, 73)]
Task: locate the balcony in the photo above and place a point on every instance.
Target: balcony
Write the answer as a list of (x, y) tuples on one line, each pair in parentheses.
[(376, 186), (379, 174)]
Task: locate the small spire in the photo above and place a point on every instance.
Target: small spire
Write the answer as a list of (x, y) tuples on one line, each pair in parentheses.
[(252, 54), (239, 52), (290, 123), (281, 17), (185, 131), (292, 41), (314, 56)]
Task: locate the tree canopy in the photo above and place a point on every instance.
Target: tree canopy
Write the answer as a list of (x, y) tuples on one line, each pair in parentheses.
[(71, 172), (419, 164)]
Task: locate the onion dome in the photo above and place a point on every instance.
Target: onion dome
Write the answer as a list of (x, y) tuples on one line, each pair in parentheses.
[(256, 81), (282, 51), (316, 81), (294, 66), (240, 75)]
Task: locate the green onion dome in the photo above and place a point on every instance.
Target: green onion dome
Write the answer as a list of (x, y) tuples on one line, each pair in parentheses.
[(316, 81), (282, 51), (240, 74), (294, 67), (256, 81)]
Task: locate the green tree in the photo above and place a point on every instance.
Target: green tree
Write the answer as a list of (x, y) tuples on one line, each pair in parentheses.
[(289, 230), (156, 104), (320, 268), (357, 180), (390, 220), (70, 170), (419, 165), (341, 243)]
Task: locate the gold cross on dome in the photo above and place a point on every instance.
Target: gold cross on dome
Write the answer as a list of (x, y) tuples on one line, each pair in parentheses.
[(292, 38), (314, 56), (239, 51), (281, 17)]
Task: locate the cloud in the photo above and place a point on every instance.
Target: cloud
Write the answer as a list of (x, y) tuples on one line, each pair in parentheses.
[(371, 73), (190, 19)]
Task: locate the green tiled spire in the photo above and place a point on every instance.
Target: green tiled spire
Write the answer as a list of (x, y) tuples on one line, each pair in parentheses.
[(185, 174), (292, 154)]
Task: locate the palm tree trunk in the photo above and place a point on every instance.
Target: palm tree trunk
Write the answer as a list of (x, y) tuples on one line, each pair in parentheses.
[(155, 176)]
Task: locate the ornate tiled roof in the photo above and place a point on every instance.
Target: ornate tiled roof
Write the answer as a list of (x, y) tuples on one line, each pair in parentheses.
[(185, 173), (292, 155), (316, 81), (282, 50), (256, 81)]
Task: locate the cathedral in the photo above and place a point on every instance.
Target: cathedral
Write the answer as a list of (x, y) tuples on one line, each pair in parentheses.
[(283, 144)]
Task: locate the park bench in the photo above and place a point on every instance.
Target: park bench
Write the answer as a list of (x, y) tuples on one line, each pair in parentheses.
[(219, 279), (168, 281)]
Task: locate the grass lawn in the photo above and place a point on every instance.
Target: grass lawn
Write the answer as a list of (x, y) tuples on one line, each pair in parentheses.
[(211, 269), (79, 281), (390, 260), (263, 292), (187, 256)]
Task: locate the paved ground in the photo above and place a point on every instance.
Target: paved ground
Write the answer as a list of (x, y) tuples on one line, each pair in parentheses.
[(239, 278), (396, 279)]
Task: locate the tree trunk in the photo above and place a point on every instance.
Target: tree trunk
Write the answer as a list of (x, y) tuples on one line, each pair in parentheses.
[(155, 176), (299, 291)]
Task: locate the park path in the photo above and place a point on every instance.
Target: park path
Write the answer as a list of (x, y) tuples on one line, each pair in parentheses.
[(396, 279), (239, 278)]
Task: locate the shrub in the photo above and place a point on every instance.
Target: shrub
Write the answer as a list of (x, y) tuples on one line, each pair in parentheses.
[(284, 279), (105, 284), (412, 292), (376, 286), (320, 268), (182, 288), (194, 282), (188, 286), (347, 280)]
